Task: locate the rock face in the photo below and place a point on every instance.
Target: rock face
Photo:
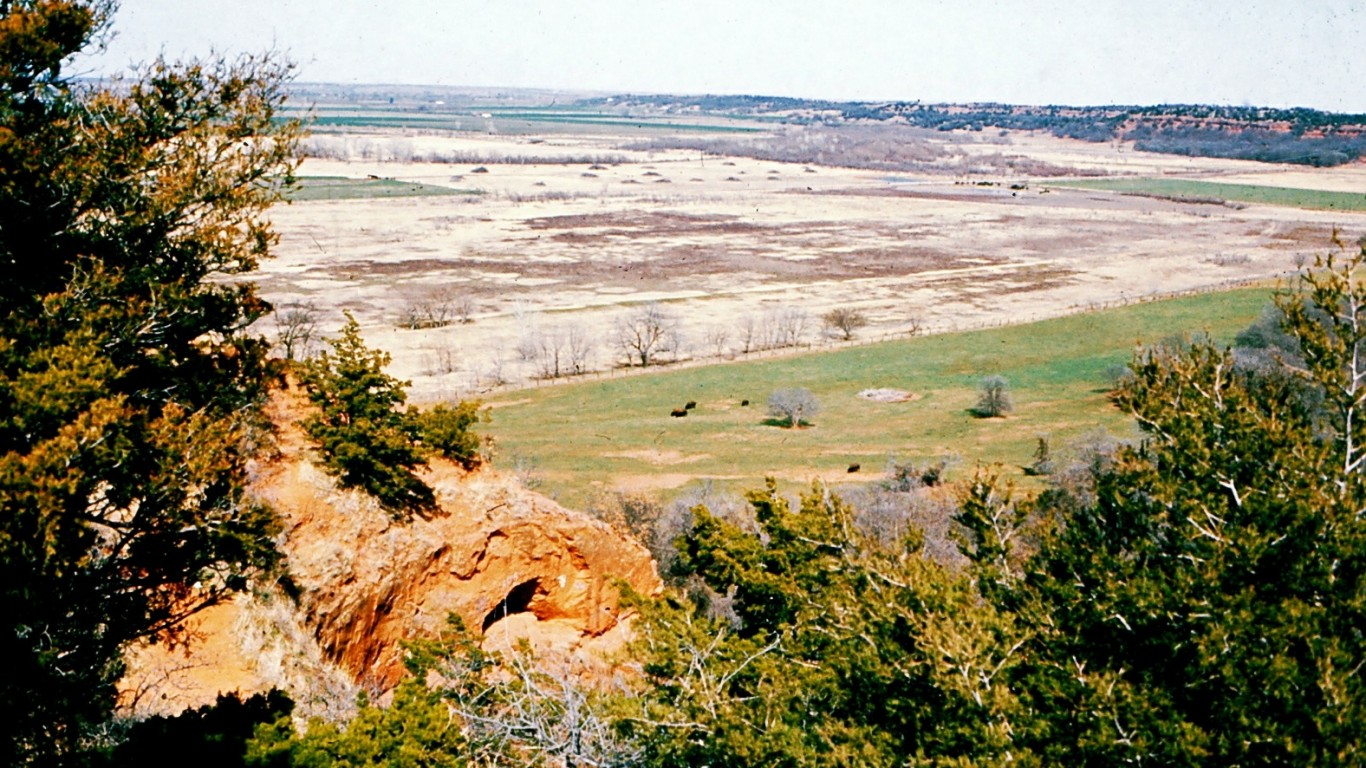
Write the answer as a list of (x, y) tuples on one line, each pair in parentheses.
[(366, 583), (508, 562)]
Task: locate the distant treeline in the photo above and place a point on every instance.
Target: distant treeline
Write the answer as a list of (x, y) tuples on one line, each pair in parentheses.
[(1299, 135)]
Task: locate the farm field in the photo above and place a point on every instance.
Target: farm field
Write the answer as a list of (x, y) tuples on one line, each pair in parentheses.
[(313, 188), (618, 435), (1218, 191), (478, 257), (562, 234)]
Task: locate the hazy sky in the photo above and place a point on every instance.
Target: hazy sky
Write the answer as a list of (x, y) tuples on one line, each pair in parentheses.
[(1263, 52)]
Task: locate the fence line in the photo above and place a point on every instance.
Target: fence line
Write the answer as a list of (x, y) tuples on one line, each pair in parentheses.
[(617, 372)]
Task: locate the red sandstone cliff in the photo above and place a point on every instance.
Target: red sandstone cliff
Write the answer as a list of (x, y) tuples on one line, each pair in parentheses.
[(507, 561)]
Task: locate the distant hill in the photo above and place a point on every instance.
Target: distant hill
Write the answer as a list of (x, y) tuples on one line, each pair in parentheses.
[(1299, 135)]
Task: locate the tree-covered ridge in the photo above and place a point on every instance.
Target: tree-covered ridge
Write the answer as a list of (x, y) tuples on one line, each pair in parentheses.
[(1295, 135)]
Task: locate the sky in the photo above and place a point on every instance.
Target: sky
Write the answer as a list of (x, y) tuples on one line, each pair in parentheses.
[(1277, 53)]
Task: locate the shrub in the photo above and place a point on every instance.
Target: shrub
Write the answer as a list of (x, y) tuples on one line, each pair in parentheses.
[(449, 432), (994, 397), (907, 475), (844, 322), (1043, 459)]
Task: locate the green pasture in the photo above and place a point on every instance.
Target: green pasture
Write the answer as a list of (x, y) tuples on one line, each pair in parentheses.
[(1207, 191), (618, 432), (343, 188)]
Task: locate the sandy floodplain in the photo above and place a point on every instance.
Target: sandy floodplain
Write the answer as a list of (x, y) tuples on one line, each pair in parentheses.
[(537, 251)]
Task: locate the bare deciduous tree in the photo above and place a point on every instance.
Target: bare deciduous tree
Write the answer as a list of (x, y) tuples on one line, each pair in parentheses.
[(717, 337), (463, 308), (517, 709), (436, 309), (645, 333), (442, 360), (580, 347), (549, 353), (789, 326), (559, 351), (296, 328), (751, 334), (844, 322)]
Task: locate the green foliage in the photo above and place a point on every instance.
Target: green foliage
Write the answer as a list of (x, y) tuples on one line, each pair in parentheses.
[(215, 734), (1043, 459), (416, 729), (365, 440), (993, 397), (1204, 608), (128, 387), (449, 431), (848, 652), (993, 524)]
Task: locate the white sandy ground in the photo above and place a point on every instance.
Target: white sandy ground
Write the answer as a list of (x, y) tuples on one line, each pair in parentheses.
[(545, 248)]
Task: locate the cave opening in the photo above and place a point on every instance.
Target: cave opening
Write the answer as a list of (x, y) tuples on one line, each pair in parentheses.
[(517, 601)]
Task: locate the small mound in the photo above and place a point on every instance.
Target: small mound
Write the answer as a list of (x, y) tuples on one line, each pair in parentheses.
[(888, 395)]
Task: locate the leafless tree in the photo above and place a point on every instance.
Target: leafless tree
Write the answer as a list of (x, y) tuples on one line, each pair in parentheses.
[(517, 709), (296, 328), (432, 310), (716, 338), (559, 351), (580, 347), (463, 308), (645, 333), (548, 353), (789, 326), (529, 345), (493, 374), (844, 322), (751, 334), (443, 360)]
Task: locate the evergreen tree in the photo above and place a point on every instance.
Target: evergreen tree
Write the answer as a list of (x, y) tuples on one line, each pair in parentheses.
[(366, 441), (848, 652), (128, 385), (1207, 607)]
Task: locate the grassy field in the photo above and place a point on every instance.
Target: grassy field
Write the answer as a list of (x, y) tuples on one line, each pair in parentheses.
[(341, 188), (1209, 191), (618, 433)]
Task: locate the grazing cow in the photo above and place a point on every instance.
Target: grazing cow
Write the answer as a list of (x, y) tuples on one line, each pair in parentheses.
[(691, 405), (855, 467), (678, 413), (744, 403)]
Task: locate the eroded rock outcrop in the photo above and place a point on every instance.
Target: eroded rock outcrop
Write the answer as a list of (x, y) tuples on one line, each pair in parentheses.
[(505, 560)]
